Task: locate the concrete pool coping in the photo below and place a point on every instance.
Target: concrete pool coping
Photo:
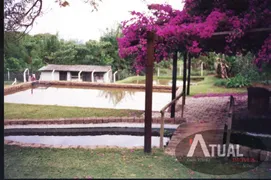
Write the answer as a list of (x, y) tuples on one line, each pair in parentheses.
[(89, 120), (40, 145), (33, 145), (70, 84), (135, 125)]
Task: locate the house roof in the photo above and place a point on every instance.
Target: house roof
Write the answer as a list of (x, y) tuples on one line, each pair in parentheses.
[(73, 68)]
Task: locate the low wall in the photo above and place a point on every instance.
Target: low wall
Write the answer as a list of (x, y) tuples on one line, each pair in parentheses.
[(34, 145), (28, 85), (87, 120), (17, 88), (104, 85), (256, 154)]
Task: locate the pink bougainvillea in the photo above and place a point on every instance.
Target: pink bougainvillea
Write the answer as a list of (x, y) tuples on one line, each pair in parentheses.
[(264, 55), (181, 30)]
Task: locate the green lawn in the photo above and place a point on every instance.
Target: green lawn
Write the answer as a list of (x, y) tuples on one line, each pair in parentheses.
[(207, 86), (7, 83), (102, 163), (140, 78), (203, 87), (23, 111)]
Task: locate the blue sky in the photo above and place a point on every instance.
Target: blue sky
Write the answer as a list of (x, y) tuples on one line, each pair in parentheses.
[(77, 22)]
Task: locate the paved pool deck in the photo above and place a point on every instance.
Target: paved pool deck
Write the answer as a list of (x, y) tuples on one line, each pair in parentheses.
[(201, 114)]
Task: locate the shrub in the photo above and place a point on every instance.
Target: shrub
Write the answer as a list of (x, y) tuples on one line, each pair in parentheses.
[(238, 81), (221, 82), (164, 72)]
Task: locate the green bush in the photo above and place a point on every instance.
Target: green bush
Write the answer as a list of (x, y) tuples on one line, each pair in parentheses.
[(164, 71), (238, 81), (221, 82), (123, 74)]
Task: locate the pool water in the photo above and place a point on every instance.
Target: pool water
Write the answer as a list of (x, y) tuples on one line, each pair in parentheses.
[(96, 98), (101, 140)]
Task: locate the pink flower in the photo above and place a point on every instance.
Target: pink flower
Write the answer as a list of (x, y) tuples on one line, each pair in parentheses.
[(182, 29)]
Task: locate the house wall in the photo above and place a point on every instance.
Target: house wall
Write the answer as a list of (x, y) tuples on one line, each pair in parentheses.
[(99, 76), (47, 76)]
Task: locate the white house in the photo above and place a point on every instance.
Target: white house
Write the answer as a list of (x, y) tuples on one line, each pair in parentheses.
[(91, 73)]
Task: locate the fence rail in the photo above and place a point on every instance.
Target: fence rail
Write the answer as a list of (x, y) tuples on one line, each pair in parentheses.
[(229, 122), (19, 75), (162, 111)]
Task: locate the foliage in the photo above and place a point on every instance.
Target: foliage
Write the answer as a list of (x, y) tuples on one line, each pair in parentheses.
[(180, 30), (221, 82), (33, 52), (238, 81), (208, 60), (110, 47)]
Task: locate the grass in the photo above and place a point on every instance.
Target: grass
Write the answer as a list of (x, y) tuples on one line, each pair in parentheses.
[(140, 78), (131, 79), (23, 111), (102, 163), (7, 83), (208, 86)]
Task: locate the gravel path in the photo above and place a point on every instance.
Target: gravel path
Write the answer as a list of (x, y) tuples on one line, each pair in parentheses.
[(207, 109)]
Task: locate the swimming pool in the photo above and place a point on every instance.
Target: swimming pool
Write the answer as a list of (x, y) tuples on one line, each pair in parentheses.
[(102, 140), (95, 98)]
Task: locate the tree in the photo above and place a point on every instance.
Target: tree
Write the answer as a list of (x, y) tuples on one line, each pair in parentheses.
[(110, 48), (195, 24), (21, 14)]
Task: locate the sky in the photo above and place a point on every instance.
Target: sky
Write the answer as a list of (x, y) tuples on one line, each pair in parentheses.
[(78, 22)]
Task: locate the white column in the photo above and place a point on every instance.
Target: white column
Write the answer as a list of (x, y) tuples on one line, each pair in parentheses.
[(158, 72), (108, 76), (92, 76), (8, 75), (115, 76), (15, 82), (53, 77), (181, 71), (79, 76), (25, 74)]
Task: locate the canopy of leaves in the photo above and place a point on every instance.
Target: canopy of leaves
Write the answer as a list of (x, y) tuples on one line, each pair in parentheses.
[(33, 52), (192, 29)]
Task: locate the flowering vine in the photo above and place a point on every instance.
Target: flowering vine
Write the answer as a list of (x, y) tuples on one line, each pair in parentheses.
[(199, 20)]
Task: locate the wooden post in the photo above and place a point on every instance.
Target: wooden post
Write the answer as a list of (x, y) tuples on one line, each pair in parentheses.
[(184, 81), (148, 92), (174, 78), (201, 69), (189, 73), (162, 130)]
